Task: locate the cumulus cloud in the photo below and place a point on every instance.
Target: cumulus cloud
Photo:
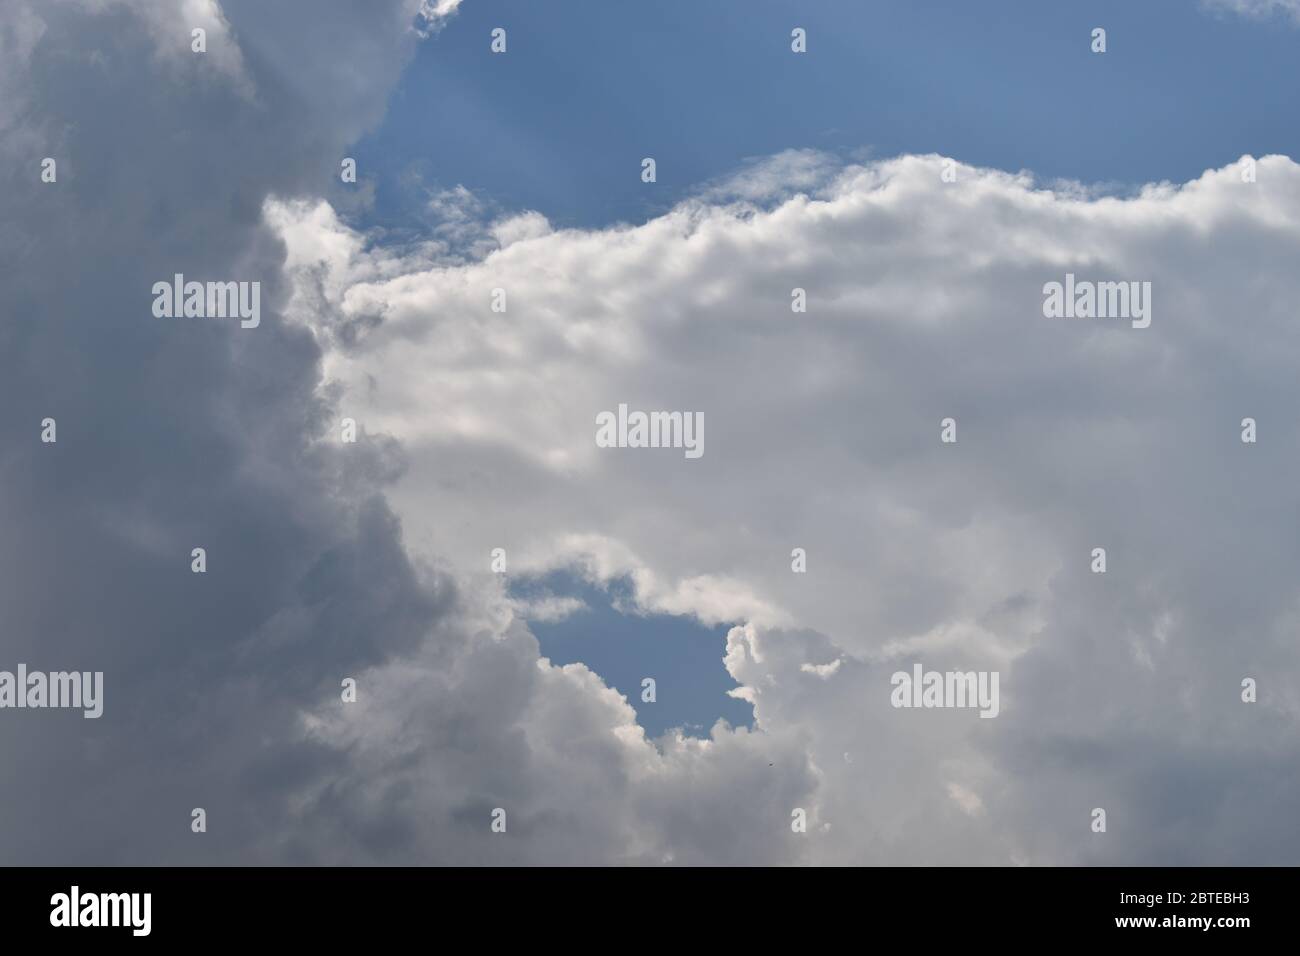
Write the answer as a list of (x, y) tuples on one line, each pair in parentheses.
[(925, 300)]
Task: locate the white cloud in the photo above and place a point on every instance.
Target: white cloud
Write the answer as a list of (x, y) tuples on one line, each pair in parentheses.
[(549, 608), (920, 297), (432, 13), (925, 301), (1258, 8)]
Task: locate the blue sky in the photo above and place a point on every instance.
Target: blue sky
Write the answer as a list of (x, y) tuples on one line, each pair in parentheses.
[(680, 654), (587, 88)]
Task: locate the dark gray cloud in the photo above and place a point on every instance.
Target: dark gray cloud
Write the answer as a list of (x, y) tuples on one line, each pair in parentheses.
[(179, 433)]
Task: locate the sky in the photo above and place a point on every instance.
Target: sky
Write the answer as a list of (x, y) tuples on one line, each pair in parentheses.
[(495, 585), (587, 89), (627, 648)]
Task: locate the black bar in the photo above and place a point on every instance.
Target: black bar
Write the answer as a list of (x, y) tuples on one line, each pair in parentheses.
[(553, 906)]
